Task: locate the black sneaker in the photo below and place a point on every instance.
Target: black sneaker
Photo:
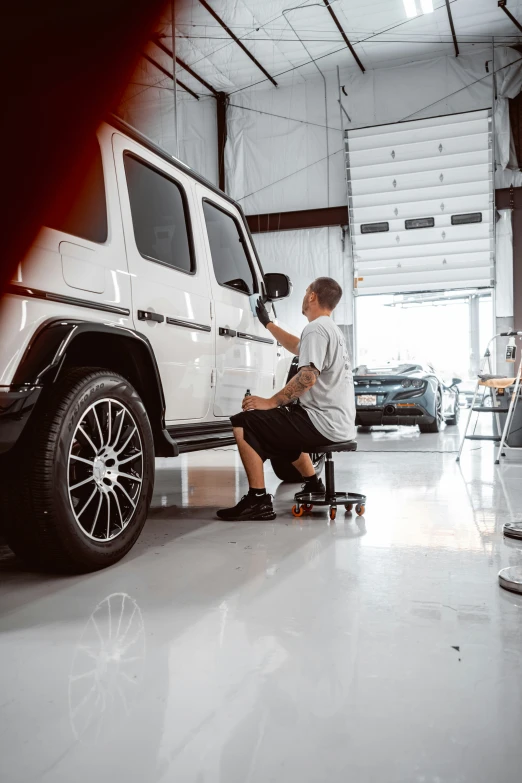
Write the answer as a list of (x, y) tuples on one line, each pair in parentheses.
[(313, 484), (249, 508)]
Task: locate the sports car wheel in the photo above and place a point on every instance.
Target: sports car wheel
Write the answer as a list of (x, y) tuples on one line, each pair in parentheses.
[(456, 415), (435, 426)]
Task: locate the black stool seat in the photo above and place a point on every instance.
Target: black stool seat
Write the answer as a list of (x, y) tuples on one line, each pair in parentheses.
[(305, 501), (343, 445)]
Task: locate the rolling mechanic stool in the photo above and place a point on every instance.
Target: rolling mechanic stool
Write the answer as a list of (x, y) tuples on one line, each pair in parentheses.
[(305, 501)]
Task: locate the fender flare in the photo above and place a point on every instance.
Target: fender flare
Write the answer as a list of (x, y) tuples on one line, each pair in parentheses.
[(48, 350)]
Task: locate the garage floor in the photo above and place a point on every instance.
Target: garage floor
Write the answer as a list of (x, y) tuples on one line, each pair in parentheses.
[(376, 650)]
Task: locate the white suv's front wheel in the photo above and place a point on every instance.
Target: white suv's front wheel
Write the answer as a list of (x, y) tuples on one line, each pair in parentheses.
[(82, 480)]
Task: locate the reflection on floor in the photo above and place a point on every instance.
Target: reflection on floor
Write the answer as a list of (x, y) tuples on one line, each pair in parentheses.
[(372, 650)]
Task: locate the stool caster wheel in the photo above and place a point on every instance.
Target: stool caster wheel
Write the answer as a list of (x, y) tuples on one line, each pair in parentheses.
[(348, 507), (308, 507), (298, 510), (333, 513), (360, 509)]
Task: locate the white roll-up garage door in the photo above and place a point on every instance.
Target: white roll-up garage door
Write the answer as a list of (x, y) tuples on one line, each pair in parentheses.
[(420, 198)]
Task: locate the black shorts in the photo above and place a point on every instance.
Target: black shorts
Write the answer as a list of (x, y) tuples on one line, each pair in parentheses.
[(280, 432)]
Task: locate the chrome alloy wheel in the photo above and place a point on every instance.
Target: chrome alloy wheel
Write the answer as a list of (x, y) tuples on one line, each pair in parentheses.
[(105, 470)]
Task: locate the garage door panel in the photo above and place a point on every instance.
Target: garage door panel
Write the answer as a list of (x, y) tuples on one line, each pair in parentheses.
[(424, 236), (445, 207), (396, 169), (426, 251), (422, 179), (400, 153), (384, 198), (436, 168), (481, 259), (417, 131)]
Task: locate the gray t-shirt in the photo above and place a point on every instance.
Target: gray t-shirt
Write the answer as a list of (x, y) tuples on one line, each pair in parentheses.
[(330, 403)]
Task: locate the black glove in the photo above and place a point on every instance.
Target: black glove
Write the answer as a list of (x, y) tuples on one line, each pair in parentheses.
[(262, 313)]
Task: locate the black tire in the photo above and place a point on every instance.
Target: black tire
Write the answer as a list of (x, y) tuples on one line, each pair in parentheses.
[(43, 520), (434, 426), (285, 471), (454, 419)]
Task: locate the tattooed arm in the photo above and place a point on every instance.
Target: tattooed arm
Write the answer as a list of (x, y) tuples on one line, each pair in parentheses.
[(295, 388)]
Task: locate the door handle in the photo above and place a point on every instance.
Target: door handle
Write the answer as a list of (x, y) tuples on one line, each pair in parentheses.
[(226, 332), (147, 315)]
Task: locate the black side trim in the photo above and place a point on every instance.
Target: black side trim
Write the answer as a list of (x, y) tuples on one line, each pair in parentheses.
[(254, 338), (35, 293), (189, 325)]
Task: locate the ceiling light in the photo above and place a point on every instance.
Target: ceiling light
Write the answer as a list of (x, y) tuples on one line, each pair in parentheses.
[(410, 7), (427, 6)]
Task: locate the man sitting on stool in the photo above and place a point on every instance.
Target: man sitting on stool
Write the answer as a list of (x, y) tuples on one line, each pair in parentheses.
[(325, 412)]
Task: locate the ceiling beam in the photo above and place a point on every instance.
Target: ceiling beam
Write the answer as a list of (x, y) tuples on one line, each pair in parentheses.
[(502, 4), (167, 73), (452, 26), (236, 39), (298, 219), (345, 37), (159, 43)]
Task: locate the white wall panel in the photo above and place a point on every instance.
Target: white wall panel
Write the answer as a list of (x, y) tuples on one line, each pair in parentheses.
[(432, 168)]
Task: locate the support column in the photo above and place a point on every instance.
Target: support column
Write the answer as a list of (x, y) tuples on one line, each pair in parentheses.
[(474, 336), (221, 102)]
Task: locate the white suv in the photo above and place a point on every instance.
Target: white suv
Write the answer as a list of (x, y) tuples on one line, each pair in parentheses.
[(127, 333)]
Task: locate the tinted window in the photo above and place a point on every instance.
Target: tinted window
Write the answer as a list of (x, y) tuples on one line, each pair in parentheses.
[(159, 215), (86, 217), (227, 247)]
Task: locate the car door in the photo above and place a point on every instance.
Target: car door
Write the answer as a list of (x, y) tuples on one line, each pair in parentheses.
[(245, 350), (170, 282)]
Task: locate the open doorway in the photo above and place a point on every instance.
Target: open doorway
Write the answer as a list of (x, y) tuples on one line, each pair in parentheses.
[(448, 330)]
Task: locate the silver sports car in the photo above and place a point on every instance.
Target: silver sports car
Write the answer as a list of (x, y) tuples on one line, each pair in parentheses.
[(405, 394)]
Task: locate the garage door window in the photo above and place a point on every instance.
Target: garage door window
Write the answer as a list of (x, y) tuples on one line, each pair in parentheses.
[(227, 246), (86, 216), (159, 215)]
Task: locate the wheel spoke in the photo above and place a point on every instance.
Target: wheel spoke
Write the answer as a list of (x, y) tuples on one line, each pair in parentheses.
[(81, 483), (129, 476), (113, 493), (82, 459), (108, 515), (102, 442), (95, 490), (116, 439), (109, 425), (133, 456), (80, 428), (119, 451), (131, 501), (97, 514)]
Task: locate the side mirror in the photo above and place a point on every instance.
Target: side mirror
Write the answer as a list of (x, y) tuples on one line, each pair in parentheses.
[(278, 286), (456, 381)]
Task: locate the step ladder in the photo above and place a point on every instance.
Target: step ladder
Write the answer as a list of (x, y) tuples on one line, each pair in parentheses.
[(489, 382)]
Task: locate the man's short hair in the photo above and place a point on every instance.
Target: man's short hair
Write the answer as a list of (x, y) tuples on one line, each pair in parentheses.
[(328, 292)]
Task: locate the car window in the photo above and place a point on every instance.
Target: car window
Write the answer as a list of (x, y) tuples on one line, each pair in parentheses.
[(159, 215), (86, 215), (227, 247)]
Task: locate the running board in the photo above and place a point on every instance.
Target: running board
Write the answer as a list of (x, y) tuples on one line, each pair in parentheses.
[(198, 437)]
